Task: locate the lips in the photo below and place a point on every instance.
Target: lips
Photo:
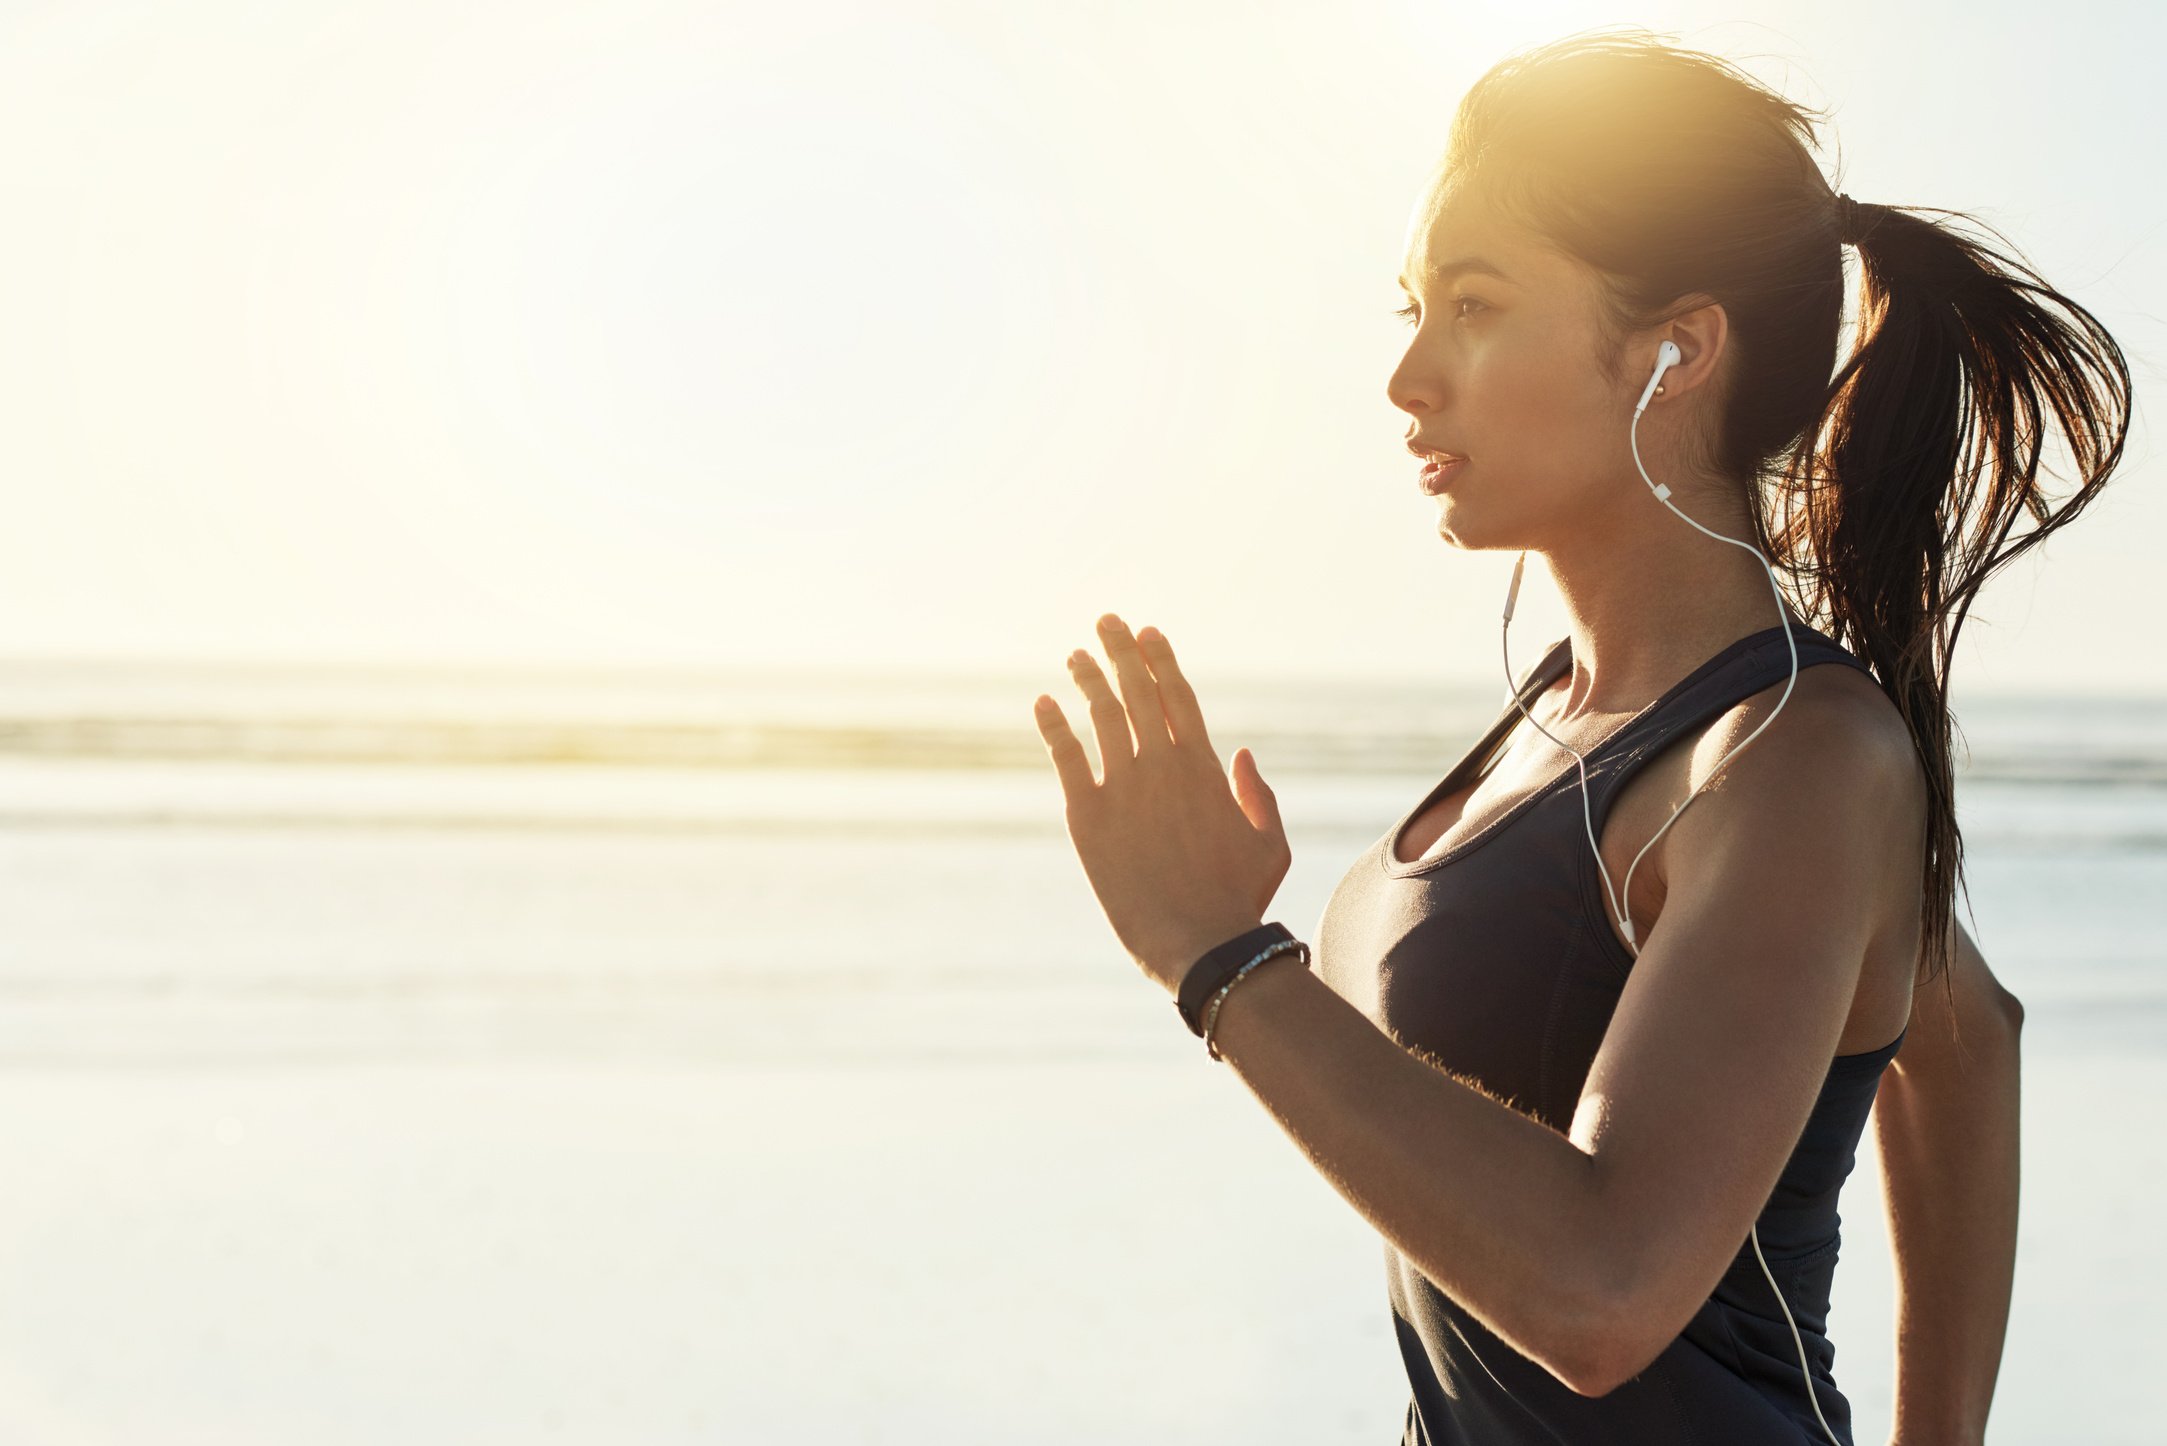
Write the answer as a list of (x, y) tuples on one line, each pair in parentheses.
[(1439, 471)]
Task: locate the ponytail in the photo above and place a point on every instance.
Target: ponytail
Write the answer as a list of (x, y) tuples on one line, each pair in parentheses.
[(1927, 455)]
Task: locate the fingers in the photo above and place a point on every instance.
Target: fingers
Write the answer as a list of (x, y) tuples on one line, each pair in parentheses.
[(1109, 719), (1138, 689), (1179, 699), (1070, 762), (1114, 719)]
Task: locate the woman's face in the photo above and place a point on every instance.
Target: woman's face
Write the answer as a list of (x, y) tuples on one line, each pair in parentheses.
[(1502, 370)]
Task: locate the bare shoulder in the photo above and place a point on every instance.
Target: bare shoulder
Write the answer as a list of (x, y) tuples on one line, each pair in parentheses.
[(1837, 728), (1836, 765)]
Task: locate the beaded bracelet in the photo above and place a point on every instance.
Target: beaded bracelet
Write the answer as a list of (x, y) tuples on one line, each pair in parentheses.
[(1211, 1012)]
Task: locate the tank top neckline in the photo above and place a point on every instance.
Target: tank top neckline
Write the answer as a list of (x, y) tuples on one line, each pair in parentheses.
[(1542, 676), (1546, 672)]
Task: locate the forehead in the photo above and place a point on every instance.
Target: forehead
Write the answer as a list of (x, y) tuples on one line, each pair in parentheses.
[(1453, 235)]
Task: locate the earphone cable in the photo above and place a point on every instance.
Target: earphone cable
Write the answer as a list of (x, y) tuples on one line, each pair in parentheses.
[(1613, 900)]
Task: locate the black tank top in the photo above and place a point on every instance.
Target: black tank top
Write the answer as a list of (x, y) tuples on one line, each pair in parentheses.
[(1496, 957)]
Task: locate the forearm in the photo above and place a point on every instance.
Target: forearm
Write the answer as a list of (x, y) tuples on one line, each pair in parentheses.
[(1492, 1205), (1949, 1151)]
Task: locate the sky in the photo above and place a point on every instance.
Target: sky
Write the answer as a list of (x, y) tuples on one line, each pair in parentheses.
[(903, 337)]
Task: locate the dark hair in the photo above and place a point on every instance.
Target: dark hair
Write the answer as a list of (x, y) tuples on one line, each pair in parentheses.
[(1886, 493)]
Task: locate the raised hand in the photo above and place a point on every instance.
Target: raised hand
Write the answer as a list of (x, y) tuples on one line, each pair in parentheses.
[(1180, 860)]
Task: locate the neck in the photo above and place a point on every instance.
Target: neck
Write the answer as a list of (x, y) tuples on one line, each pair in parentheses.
[(1650, 602)]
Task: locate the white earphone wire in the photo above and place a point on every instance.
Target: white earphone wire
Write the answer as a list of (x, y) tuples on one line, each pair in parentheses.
[(1617, 902)]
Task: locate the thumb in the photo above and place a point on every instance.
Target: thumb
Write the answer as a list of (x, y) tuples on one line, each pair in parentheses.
[(1255, 795)]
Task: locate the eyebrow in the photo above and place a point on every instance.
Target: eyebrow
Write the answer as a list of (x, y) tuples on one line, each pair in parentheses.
[(1465, 266)]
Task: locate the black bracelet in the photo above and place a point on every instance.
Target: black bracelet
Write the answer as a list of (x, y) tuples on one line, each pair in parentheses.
[(1217, 966)]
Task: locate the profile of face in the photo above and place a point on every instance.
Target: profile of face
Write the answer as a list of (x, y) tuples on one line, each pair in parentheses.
[(1502, 370)]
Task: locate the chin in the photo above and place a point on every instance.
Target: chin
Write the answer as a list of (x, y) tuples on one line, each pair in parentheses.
[(1455, 529), (1469, 527)]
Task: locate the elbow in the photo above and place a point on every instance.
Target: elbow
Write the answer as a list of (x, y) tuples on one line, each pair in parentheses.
[(1594, 1383), (1605, 1345), (1609, 1364), (1599, 1374), (1604, 1309), (1630, 1346), (1624, 1325)]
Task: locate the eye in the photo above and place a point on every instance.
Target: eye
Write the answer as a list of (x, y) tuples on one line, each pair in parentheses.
[(1458, 302)]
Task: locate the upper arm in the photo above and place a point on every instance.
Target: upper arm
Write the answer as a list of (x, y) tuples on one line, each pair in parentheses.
[(1777, 877), (1944, 1013)]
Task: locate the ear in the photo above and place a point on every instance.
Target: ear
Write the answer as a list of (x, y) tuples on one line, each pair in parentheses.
[(1701, 331)]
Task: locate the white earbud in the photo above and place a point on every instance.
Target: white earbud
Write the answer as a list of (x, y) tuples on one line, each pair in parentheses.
[(1666, 356)]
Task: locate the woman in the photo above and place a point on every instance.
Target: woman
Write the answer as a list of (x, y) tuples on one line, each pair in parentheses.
[(1592, 1062)]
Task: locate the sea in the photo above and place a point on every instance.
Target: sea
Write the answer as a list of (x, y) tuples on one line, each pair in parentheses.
[(478, 1055)]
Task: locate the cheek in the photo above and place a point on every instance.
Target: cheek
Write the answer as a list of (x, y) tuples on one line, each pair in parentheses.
[(1548, 445), (1554, 403), (1519, 366)]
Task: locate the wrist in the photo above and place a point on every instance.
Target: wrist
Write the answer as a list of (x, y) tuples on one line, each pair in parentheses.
[(1252, 1000), (1186, 955)]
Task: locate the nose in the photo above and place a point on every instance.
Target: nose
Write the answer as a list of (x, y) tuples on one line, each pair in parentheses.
[(1416, 384), (1414, 388)]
